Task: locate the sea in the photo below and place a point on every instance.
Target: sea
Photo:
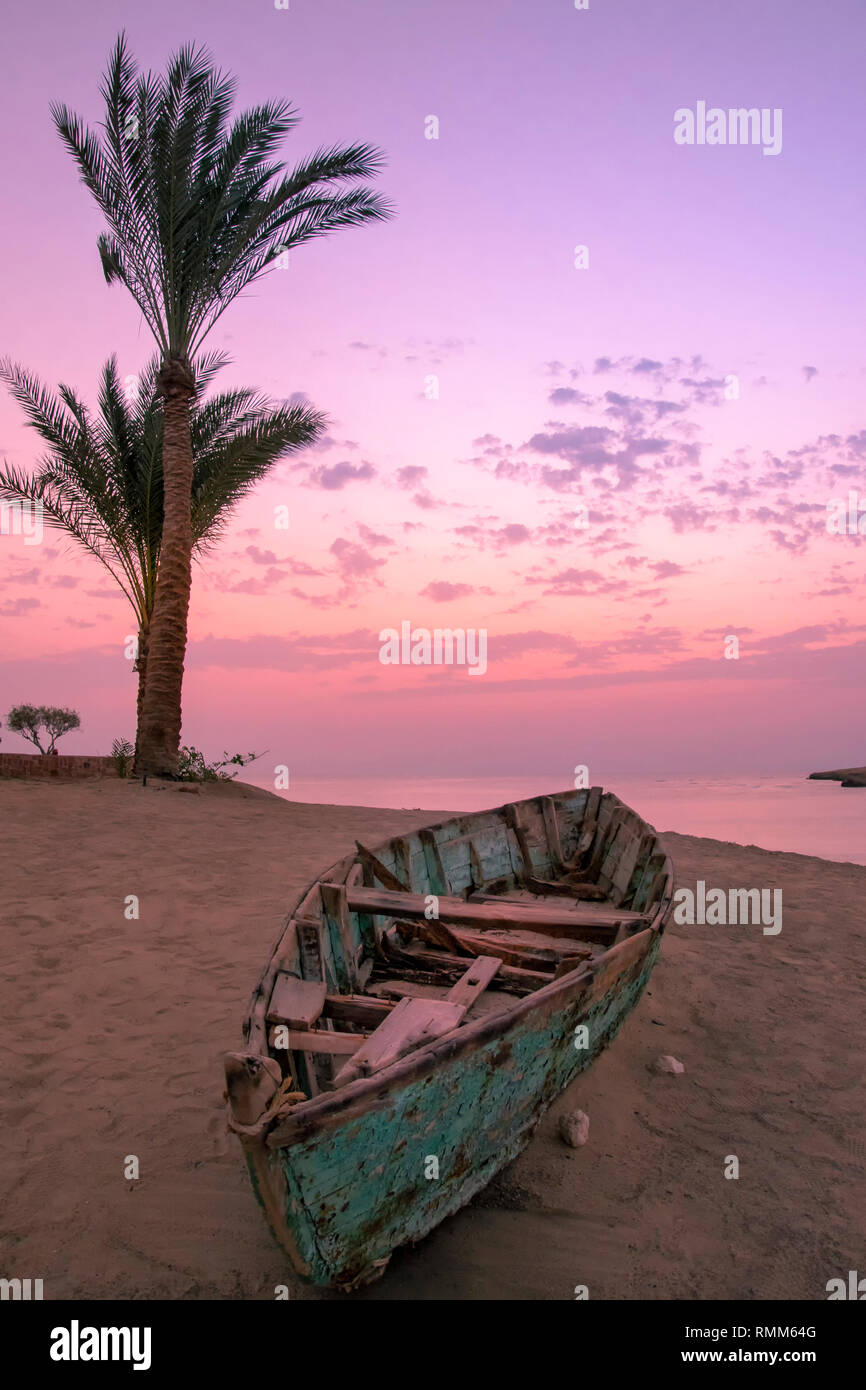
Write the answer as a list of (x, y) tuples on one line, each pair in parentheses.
[(774, 811)]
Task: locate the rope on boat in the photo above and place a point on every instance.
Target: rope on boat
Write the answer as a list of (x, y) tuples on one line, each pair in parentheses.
[(282, 1101)]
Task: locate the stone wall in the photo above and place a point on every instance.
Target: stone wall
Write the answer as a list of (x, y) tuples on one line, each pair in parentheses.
[(64, 765)]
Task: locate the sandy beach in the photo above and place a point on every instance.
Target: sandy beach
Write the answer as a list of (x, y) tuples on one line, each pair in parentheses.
[(113, 1032)]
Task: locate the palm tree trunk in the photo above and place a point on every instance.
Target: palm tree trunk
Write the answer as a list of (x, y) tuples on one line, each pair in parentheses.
[(141, 668), (159, 734)]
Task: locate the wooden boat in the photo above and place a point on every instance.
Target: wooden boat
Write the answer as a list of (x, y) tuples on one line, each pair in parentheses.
[(425, 1003)]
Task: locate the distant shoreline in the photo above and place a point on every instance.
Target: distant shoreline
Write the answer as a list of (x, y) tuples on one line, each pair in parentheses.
[(848, 776)]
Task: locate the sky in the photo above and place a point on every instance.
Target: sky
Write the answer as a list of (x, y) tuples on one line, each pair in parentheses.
[(592, 391)]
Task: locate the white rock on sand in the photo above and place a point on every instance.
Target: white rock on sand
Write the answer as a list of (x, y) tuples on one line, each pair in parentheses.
[(113, 1033), (668, 1064), (574, 1128)]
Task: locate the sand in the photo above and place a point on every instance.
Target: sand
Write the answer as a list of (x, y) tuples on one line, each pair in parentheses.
[(112, 1032)]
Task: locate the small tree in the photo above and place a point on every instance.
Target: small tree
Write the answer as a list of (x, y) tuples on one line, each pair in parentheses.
[(27, 720)]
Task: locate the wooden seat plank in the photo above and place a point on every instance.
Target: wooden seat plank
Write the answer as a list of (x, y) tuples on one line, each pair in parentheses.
[(605, 914), (490, 1002), (475, 981), (456, 911), (323, 1040), (296, 1002), (411, 1023), (551, 947)]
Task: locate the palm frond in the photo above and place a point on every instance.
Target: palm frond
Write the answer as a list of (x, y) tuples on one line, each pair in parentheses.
[(102, 480), (234, 463), (196, 205), (44, 412), (62, 510)]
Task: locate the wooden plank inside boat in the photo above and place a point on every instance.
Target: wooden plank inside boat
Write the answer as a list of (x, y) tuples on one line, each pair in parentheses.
[(457, 911), (356, 1008), (490, 1001), (324, 1040), (296, 1002), (343, 948), (379, 870), (475, 981), (416, 959), (494, 943), (411, 1023)]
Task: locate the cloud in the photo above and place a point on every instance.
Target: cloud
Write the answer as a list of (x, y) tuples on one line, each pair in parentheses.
[(665, 569), (634, 410), (19, 607), (300, 567), (261, 557), (567, 395), (295, 652), (629, 365), (441, 591), (247, 586), (584, 449), (686, 516), (515, 533), (370, 537), (434, 350), (353, 561), (318, 600), (327, 441), (574, 582), (339, 474), (410, 476), (426, 501)]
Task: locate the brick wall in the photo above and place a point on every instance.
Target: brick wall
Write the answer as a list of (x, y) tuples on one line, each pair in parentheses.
[(64, 765)]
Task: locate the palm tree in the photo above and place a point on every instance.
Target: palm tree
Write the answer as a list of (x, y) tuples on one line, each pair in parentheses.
[(102, 480), (197, 210)]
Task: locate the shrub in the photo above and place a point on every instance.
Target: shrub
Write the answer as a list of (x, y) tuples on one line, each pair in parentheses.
[(193, 767), (122, 753)]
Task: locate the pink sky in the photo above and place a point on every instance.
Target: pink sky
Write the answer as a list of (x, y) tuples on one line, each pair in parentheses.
[(558, 389)]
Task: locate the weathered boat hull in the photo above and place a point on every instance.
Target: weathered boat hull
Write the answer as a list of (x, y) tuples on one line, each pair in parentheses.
[(351, 1175)]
